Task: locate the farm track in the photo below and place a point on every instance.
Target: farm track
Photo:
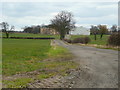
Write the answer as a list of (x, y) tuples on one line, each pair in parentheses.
[(98, 67)]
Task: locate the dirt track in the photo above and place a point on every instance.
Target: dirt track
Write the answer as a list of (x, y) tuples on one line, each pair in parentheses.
[(98, 67)]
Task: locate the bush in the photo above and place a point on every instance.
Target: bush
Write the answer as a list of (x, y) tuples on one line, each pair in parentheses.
[(83, 40), (86, 40), (68, 40), (114, 39), (78, 40)]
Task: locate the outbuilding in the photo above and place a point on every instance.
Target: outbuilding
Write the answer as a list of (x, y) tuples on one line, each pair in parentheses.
[(80, 31)]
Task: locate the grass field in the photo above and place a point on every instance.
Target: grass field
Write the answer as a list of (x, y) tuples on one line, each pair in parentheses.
[(99, 41), (29, 35), (21, 56)]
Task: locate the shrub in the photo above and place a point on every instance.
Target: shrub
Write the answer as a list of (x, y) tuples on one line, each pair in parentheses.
[(76, 40), (114, 39), (86, 40), (83, 40), (68, 40)]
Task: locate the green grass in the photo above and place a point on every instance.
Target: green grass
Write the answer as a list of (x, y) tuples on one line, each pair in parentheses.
[(43, 76), (99, 41), (113, 48), (22, 56), (18, 83), (56, 52), (29, 35)]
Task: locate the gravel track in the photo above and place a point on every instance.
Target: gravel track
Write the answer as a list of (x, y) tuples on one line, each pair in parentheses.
[(98, 67)]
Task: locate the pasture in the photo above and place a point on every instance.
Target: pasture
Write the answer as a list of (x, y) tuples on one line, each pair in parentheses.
[(20, 56), (99, 41), (29, 35)]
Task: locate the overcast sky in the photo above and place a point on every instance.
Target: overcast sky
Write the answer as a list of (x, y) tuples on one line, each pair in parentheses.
[(22, 14)]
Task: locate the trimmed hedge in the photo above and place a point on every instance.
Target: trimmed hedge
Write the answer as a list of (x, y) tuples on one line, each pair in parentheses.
[(31, 37)]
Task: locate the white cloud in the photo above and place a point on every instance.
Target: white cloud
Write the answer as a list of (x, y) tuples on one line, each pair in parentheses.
[(107, 6), (60, 1), (85, 13), (54, 13), (84, 25), (98, 20), (27, 20)]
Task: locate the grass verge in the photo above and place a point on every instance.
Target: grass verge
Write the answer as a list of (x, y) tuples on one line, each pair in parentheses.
[(99, 43), (18, 83)]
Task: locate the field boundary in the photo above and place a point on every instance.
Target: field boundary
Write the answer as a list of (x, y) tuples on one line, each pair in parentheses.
[(30, 37)]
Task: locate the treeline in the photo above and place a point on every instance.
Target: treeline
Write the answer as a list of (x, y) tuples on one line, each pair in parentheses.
[(32, 29), (102, 29)]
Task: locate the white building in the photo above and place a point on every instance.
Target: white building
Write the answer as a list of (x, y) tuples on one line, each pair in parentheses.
[(80, 31)]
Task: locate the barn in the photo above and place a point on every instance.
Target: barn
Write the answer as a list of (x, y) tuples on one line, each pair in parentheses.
[(80, 31)]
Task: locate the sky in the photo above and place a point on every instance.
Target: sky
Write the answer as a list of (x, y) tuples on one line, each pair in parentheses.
[(85, 13)]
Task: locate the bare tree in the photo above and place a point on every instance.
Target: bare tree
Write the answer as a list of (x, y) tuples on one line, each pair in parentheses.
[(6, 28), (114, 28), (63, 23), (103, 30), (94, 31)]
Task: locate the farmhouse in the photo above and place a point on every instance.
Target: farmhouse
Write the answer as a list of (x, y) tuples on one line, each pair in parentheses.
[(80, 31), (41, 30), (46, 30)]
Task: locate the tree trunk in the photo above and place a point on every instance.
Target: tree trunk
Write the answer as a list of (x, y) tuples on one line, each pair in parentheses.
[(62, 34), (95, 37), (101, 36), (7, 34), (62, 37), (67, 32)]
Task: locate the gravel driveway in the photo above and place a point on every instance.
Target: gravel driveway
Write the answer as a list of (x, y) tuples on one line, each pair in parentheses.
[(98, 67)]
